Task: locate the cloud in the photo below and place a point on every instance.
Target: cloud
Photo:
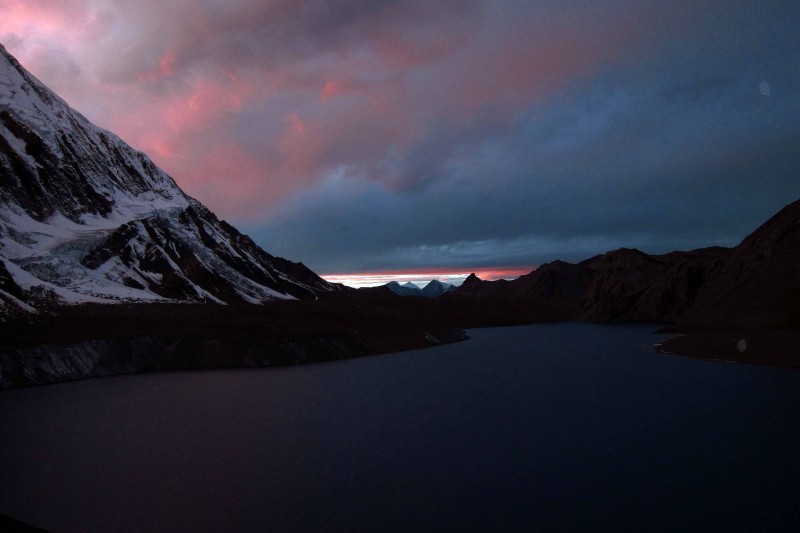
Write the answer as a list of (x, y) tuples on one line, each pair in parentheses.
[(401, 73), (372, 134)]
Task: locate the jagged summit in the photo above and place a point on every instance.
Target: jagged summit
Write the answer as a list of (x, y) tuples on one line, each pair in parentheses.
[(86, 218), (471, 280)]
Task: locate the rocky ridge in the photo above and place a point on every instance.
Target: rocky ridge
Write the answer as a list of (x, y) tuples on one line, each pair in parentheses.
[(756, 284)]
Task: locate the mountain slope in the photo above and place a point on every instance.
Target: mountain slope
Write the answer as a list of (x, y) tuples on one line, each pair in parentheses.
[(758, 284), (621, 285), (436, 288), (406, 289), (86, 218), (631, 285), (754, 285)]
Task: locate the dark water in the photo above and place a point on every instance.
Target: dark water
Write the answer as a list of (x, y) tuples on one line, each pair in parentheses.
[(549, 427)]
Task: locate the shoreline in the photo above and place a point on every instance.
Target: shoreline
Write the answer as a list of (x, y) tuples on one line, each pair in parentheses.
[(776, 348), (88, 341), (97, 340)]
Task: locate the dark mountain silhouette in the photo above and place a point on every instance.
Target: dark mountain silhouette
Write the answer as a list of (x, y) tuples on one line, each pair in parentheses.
[(406, 289), (756, 284), (623, 285)]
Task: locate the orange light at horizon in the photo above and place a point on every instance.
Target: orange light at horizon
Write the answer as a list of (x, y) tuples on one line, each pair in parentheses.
[(424, 275)]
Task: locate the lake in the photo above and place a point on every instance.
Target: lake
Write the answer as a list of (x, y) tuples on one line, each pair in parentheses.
[(547, 427)]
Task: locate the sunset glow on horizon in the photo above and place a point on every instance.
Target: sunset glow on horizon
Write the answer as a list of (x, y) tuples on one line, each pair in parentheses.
[(422, 276)]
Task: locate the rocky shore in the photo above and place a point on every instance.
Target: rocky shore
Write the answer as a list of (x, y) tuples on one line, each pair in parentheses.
[(97, 340)]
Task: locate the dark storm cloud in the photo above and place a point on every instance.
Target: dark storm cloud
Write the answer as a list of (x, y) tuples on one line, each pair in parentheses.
[(674, 149)]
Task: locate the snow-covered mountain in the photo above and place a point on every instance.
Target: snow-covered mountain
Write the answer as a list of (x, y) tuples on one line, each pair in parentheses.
[(86, 218), (406, 289), (436, 288), (433, 289)]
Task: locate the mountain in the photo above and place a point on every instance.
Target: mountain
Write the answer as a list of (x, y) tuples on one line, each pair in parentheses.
[(631, 285), (754, 285), (433, 289), (436, 288), (551, 292), (758, 283), (622, 285), (406, 289), (86, 218)]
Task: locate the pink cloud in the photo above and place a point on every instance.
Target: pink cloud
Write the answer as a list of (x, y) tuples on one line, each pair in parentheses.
[(264, 85), (160, 146), (204, 103), (231, 180), (164, 69), (296, 125), (331, 89), (42, 17)]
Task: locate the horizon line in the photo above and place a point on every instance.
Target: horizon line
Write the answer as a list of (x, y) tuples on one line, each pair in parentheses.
[(453, 275)]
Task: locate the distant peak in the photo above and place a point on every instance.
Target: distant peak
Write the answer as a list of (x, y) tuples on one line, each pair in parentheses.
[(436, 288), (626, 251)]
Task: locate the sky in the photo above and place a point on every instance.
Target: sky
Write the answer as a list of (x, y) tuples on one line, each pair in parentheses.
[(387, 137)]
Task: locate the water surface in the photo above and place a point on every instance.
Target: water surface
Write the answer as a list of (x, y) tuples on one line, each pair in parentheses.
[(558, 426)]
